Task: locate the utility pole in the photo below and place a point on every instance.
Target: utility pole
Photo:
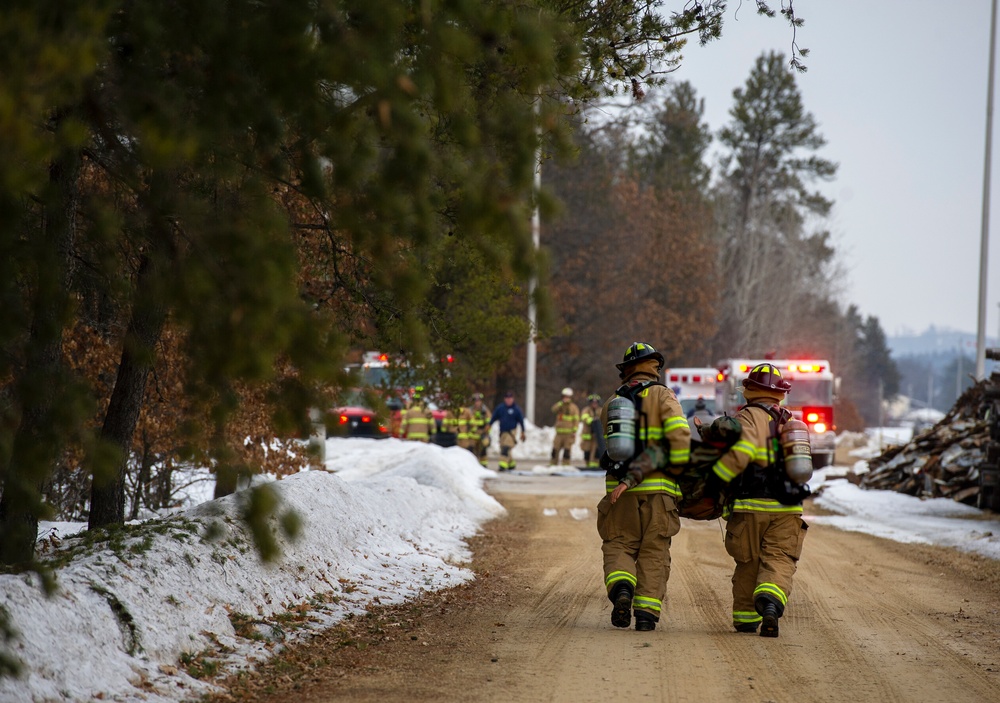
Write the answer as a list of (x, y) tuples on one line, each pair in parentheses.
[(536, 227), (985, 233)]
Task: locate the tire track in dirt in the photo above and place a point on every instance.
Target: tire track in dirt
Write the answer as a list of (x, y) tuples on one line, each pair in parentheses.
[(878, 615)]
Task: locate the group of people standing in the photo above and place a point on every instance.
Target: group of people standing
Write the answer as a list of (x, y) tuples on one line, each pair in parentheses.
[(638, 516), (470, 425)]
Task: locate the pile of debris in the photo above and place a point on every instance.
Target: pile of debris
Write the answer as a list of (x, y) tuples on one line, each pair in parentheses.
[(942, 461)]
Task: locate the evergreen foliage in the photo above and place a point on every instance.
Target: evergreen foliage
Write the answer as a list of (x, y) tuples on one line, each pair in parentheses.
[(205, 205), (766, 211)]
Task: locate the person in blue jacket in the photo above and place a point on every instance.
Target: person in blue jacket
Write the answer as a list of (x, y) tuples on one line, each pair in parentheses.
[(510, 417)]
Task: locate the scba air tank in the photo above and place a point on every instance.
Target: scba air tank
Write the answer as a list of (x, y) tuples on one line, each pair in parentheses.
[(620, 436), (795, 448)]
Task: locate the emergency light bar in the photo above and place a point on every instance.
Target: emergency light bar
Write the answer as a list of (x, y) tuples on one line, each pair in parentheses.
[(794, 367), (692, 378), (805, 368)]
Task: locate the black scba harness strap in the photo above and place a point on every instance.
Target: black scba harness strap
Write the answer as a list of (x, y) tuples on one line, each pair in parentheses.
[(771, 481)]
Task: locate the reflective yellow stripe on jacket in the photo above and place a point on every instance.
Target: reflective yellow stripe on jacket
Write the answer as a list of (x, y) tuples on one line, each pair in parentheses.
[(681, 455), (763, 505), (649, 485)]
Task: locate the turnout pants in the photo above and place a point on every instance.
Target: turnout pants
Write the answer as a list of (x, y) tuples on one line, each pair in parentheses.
[(766, 547), (562, 442), (507, 442), (636, 532)]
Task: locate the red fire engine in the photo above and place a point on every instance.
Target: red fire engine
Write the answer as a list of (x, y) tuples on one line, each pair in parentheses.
[(811, 398)]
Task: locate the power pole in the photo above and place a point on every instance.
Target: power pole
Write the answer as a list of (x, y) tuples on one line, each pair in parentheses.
[(985, 233), (536, 228)]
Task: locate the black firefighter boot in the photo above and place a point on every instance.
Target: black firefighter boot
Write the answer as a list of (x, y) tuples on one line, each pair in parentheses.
[(644, 622), (555, 457), (621, 613), (566, 457), (769, 623)]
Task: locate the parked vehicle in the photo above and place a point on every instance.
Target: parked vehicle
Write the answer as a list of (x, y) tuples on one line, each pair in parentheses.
[(355, 421), (692, 383)]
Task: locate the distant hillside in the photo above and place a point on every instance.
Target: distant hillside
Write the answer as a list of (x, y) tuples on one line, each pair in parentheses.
[(936, 342)]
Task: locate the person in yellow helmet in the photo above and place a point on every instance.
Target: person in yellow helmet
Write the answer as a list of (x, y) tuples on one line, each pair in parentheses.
[(638, 516)]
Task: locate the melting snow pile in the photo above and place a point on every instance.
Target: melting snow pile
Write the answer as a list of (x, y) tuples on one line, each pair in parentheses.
[(388, 525)]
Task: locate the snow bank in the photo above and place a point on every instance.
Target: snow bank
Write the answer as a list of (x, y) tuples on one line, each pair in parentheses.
[(909, 519), (388, 525)]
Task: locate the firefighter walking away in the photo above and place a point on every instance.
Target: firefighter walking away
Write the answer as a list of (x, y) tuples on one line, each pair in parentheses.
[(647, 435), (766, 487)]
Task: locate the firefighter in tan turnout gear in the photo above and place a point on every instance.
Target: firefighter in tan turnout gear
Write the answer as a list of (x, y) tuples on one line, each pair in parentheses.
[(567, 418), (473, 428), (418, 421), (636, 520), (765, 530), (589, 440)]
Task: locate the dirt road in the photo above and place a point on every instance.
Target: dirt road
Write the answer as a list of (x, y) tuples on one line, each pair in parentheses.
[(868, 620)]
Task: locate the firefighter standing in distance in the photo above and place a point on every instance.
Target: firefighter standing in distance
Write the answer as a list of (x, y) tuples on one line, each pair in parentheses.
[(473, 428), (589, 438), (510, 417), (418, 422), (636, 521), (567, 418), (764, 535)]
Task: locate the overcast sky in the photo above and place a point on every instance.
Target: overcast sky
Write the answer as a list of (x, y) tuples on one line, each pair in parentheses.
[(899, 90)]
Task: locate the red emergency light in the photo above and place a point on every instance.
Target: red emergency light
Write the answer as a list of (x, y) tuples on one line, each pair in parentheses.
[(805, 368), (818, 419), (343, 419)]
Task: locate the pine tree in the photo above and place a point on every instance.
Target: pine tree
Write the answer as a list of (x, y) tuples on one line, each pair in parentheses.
[(765, 209), (672, 155), (170, 166)]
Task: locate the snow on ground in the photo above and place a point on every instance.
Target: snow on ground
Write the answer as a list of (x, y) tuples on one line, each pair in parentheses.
[(390, 527), (908, 519), (387, 522), (898, 516)]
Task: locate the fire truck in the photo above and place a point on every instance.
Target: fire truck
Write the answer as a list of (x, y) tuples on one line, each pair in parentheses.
[(811, 398), (691, 383)]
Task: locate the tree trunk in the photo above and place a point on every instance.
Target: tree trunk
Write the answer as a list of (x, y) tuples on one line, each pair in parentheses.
[(107, 496), (39, 438), (226, 480)]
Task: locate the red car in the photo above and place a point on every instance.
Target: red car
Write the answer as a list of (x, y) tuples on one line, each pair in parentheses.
[(356, 421)]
